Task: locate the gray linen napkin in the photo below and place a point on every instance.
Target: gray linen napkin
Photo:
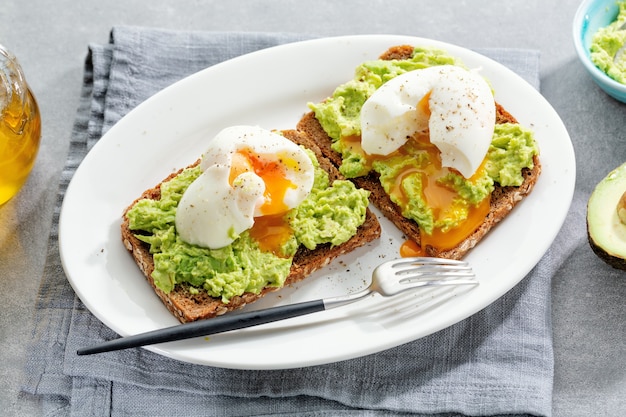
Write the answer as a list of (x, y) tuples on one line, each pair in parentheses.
[(497, 362)]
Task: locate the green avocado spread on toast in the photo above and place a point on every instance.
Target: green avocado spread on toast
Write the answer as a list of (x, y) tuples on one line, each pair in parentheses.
[(330, 214), (512, 148)]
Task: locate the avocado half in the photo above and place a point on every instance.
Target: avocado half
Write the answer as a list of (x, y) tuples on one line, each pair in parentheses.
[(606, 218)]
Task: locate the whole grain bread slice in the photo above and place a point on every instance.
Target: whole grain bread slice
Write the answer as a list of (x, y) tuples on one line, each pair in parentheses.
[(503, 199), (190, 306)]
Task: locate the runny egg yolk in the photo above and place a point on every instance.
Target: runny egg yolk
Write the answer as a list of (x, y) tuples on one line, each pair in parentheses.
[(272, 232), (422, 105), (449, 239), (437, 196), (270, 229), (440, 199)]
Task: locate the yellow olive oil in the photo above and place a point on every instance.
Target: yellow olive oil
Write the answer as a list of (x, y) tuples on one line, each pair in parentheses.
[(20, 130)]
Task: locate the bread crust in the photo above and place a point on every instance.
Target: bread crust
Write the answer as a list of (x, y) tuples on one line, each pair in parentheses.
[(187, 307), (503, 199)]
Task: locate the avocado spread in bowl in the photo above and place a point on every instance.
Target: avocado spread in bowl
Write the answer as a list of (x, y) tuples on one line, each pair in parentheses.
[(607, 46), (599, 35)]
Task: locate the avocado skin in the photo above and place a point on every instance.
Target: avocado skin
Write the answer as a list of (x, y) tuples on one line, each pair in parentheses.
[(606, 231), (614, 261)]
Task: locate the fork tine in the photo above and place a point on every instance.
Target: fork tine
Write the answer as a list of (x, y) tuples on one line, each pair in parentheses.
[(437, 275), (430, 269), (440, 282), (429, 265)]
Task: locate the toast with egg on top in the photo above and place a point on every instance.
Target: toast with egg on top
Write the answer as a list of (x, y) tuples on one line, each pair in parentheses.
[(499, 204), (187, 303)]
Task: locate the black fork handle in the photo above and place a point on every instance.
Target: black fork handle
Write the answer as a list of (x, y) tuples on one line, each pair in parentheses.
[(208, 327)]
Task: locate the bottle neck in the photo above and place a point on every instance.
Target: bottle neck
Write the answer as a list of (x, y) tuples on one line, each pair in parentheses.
[(13, 86), (13, 91)]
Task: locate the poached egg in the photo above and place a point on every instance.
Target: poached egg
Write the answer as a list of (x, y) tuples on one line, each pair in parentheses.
[(248, 174), (453, 105)]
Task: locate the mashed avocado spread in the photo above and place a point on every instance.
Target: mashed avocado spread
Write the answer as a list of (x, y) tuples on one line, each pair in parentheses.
[(330, 214), (512, 147), (606, 43)]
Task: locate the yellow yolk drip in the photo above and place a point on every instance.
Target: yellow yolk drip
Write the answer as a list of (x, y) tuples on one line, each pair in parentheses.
[(447, 240), (272, 232), (437, 196), (451, 238), (270, 229)]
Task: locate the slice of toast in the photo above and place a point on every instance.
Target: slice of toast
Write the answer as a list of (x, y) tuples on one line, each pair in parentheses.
[(187, 306), (503, 199)]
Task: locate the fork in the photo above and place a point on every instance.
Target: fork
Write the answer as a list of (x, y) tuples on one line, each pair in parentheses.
[(388, 279)]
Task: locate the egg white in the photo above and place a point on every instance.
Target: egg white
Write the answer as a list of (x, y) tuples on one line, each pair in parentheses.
[(461, 121), (212, 212)]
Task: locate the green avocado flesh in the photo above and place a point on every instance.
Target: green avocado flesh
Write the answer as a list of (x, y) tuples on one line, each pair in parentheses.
[(605, 229), (331, 214)]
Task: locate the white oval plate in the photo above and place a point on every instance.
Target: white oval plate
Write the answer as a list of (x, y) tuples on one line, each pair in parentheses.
[(171, 129)]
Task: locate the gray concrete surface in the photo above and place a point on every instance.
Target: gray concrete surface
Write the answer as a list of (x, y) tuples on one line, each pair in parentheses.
[(51, 38)]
